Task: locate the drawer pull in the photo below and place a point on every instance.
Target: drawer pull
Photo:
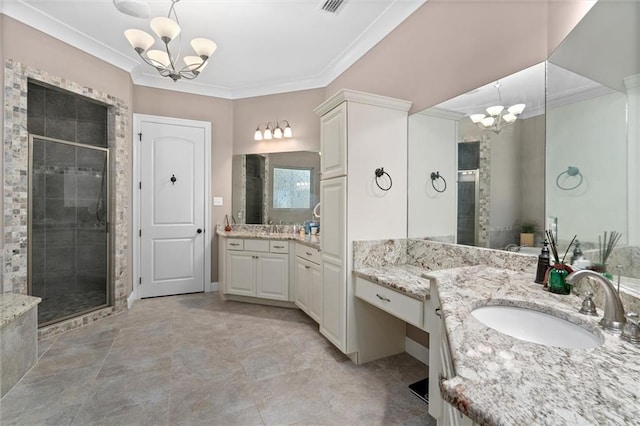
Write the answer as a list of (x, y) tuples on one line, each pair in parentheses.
[(278, 246), (308, 254), (307, 267), (234, 244), (383, 298)]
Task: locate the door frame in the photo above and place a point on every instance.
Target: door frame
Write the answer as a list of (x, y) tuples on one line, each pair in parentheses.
[(209, 228)]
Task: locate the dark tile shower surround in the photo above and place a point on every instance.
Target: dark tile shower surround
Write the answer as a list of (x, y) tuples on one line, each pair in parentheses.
[(69, 258)]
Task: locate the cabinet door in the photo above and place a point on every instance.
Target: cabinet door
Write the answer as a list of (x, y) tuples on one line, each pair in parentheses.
[(315, 294), (272, 276), (333, 142), (241, 273), (333, 211), (333, 324), (302, 285)]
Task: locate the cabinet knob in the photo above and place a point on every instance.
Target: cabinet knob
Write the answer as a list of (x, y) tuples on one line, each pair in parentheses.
[(199, 231)]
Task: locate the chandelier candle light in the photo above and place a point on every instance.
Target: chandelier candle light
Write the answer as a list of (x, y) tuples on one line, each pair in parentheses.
[(167, 30), (273, 130), (497, 118)]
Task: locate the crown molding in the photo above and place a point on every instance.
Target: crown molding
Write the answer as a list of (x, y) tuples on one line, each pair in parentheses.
[(442, 113), (34, 18), (393, 15), (361, 98)]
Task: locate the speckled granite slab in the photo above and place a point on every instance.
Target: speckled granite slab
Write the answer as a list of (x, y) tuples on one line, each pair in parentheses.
[(262, 232), (12, 305), (501, 380), (367, 254), (406, 279)]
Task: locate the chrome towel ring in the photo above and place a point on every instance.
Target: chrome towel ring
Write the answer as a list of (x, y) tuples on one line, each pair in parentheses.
[(570, 172), (434, 177), (379, 173)]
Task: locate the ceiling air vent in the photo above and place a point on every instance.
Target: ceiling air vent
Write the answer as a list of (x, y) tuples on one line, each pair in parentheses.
[(332, 6)]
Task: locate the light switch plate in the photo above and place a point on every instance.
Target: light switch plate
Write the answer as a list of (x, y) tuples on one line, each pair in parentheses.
[(217, 201)]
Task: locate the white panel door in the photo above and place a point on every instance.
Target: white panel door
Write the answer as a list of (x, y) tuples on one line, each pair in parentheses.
[(333, 211), (172, 209)]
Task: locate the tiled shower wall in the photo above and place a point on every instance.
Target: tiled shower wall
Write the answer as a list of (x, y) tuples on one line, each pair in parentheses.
[(15, 141), (68, 241)]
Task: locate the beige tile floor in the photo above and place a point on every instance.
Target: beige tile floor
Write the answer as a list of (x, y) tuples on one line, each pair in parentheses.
[(196, 359)]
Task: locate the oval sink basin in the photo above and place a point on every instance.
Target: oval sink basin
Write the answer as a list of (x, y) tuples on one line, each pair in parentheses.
[(537, 327)]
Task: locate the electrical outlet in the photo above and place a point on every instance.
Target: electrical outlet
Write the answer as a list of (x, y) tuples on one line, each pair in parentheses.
[(217, 201)]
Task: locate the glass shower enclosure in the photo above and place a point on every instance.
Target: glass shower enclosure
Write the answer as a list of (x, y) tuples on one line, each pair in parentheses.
[(68, 227)]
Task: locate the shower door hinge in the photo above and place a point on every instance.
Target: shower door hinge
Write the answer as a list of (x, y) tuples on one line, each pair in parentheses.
[(140, 232), (139, 185), (140, 136)]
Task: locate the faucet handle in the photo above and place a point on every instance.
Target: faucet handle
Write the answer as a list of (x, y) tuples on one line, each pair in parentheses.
[(588, 305), (631, 330)]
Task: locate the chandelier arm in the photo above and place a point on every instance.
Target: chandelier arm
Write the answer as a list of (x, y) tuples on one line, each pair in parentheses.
[(187, 75), (166, 48), (154, 64)]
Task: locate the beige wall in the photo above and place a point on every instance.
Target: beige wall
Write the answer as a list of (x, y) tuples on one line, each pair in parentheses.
[(448, 47), (219, 112), (295, 107)]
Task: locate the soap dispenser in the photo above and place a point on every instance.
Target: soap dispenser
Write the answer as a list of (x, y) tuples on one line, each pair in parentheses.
[(543, 263)]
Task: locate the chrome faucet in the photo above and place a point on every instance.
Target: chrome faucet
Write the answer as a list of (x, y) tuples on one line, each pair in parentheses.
[(613, 318)]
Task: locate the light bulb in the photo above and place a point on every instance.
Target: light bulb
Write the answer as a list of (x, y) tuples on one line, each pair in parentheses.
[(257, 136), (159, 58), (494, 111), (267, 134), (288, 132), (277, 133), (139, 39), (165, 28)]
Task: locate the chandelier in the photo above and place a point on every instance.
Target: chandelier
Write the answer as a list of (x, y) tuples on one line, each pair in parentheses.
[(497, 117), (273, 130), (167, 64)]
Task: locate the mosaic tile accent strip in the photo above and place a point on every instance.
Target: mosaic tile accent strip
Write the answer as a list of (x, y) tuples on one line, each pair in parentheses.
[(484, 192), (16, 179)]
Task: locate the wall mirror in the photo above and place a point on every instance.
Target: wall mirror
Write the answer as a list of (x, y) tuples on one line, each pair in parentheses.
[(275, 188), (569, 162), (488, 181)]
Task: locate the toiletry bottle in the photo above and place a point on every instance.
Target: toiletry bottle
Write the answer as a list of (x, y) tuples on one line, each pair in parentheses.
[(543, 264)]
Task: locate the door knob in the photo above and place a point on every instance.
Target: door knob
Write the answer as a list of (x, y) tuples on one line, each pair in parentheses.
[(199, 231)]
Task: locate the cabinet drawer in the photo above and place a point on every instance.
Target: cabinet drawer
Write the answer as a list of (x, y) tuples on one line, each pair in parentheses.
[(279, 246), (256, 245), (308, 253), (235, 244), (404, 307)]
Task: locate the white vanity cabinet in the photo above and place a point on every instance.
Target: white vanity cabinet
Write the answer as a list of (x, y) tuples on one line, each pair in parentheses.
[(308, 281), (440, 365), (359, 133), (257, 268)]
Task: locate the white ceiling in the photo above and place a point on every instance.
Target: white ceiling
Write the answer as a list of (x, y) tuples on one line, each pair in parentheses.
[(264, 46)]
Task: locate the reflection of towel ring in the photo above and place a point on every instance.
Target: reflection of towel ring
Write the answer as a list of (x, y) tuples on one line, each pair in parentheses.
[(571, 171), (316, 211), (379, 173), (434, 177)]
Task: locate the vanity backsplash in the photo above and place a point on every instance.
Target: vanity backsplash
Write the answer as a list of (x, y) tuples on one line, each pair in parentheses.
[(434, 255)]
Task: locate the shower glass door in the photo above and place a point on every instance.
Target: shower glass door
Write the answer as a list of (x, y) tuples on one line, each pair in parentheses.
[(68, 228)]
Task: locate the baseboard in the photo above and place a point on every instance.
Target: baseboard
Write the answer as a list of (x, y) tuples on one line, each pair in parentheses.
[(130, 300), (416, 350), (211, 287)]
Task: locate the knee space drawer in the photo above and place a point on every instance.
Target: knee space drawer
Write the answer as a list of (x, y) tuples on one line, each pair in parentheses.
[(308, 253), (404, 307)]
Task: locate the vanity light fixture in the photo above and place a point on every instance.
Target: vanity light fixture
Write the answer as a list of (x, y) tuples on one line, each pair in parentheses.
[(168, 29), (273, 130), (497, 117)]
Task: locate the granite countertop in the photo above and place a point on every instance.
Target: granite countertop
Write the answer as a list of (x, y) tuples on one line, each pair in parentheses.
[(12, 305), (406, 279), (502, 380), (308, 240)]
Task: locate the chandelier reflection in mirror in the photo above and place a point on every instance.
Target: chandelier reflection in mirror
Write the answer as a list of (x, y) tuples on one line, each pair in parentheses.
[(167, 64), (273, 130), (497, 117)]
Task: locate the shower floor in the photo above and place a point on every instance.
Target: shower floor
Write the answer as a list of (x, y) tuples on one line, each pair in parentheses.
[(58, 307)]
